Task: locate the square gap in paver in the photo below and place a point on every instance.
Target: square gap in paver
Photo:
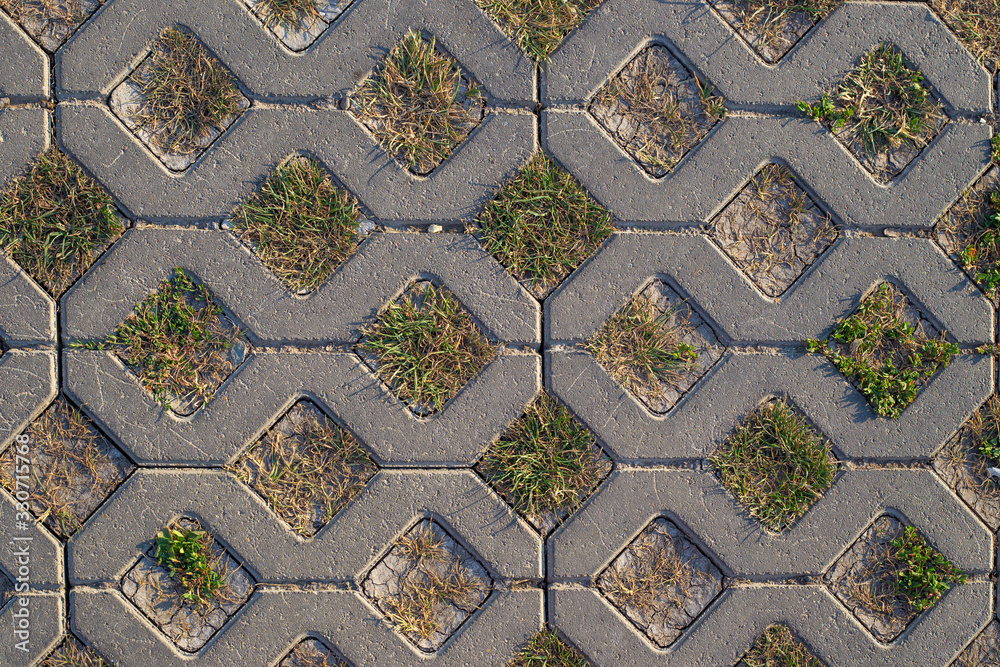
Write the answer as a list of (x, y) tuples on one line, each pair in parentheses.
[(545, 465), (298, 23), (75, 468), (776, 464), (778, 646), (538, 26), (773, 27), (661, 582), (50, 22), (657, 346), (888, 349), (425, 347), (307, 468), (419, 104), (882, 112), (773, 230), (656, 109), (313, 652), (178, 100), (970, 462), (302, 223), (427, 585), (548, 649), (189, 585), (889, 576)]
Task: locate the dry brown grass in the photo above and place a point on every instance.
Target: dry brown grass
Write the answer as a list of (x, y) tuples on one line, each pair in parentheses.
[(547, 649), (538, 26), (775, 25), (654, 578), (777, 647), (418, 104), (187, 94), (72, 468), (307, 470), (656, 110), (72, 653), (977, 24)]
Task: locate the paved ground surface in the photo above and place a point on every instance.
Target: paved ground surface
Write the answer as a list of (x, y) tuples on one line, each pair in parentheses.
[(289, 588)]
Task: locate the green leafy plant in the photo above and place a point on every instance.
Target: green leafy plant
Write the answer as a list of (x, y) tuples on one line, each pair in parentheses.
[(186, 556), (923, 573), (826, 110), (995, 149), (886, 357)]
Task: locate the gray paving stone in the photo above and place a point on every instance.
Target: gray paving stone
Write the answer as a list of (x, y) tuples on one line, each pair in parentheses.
[(236, 517), (739, 383), (274, 620), (631, 497), (616, 30), (265, 135), (24, 76), (828, 292), (100, 54), (45, 617), (27, 384), (27, 313), (724, 634), (44, 572), (704, 182), (380, 269)]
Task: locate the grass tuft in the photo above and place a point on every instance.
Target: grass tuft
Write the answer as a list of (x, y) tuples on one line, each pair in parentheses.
[(54, 219), (995, 149), (418, 104), (289, 13), (177, 341), (426, 347), (657, 110), (187, 94), (775, 25), (922, 573), (538, 26), (187, 556), (777, 647), (312, 652), (776, 464), (72, 653), (542, 224), (308, 470), (641, 347), (547, 649), (300, 225), (545, 462), (887, 357)]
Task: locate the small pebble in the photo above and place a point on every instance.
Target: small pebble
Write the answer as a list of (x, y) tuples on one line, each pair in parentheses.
[(434, 229), (366, 226)]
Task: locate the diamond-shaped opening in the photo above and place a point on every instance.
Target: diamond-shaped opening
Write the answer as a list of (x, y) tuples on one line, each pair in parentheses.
[(301, 224), (547, 647), (299, 23), (419, 103), (866, 579), (657, 110), (428, 585), (74, 653), (313, 652), (545, 465), (180, 344), (425, 346), (776, 464), (888, 349), (189, 622), (970, 462), (984, 651), (657, 347), (178, 100), (883, 112), (55, 221), (661, 582), (773, 27), (306, 467), (542, 245), (776, 646), (74, 468), (967, 232), (538, 27), (50, 23), (773, 230)]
